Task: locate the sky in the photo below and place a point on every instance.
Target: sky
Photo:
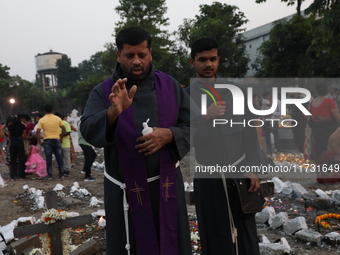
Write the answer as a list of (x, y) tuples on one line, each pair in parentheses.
[(80, 28)]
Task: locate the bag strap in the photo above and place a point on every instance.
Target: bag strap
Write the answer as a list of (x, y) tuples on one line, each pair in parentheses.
[(233, 228)]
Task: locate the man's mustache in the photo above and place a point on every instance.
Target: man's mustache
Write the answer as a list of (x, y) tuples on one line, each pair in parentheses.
[(137, 67), (208, 69)]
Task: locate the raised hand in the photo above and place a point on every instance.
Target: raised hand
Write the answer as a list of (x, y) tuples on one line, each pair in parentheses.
[(120, 98)]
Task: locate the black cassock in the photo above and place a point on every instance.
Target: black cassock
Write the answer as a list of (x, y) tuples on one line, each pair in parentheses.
[(93, 128), (223, 145)]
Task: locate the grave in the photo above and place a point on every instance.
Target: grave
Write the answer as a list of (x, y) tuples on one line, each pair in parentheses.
[(54, 229), (73, 119)]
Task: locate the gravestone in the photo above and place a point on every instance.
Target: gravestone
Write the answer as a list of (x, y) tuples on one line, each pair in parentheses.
[(54, 229), (73, 119)]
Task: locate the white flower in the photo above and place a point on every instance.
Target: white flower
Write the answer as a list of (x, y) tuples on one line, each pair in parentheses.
[(194, 237)]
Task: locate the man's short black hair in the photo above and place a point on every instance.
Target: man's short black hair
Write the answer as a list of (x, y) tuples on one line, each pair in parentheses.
[(26, 117), (48, 108), (38, 114), (132, 36), (203, 44)]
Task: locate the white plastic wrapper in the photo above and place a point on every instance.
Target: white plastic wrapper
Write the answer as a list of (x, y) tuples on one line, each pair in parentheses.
[(95, 201), (58, 187)]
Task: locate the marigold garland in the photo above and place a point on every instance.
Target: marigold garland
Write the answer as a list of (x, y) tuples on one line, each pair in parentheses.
[(319, 219), (48, 217)]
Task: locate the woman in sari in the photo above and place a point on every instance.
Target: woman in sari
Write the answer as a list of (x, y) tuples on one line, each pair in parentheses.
[(324, 122)]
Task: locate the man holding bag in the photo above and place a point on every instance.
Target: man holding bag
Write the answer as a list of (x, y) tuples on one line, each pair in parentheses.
[(226, 218)]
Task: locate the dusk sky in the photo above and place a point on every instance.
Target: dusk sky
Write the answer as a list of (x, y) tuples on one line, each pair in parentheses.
[(80, 28)]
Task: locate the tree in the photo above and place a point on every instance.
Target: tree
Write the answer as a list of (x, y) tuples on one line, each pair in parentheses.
[(30, 97), (325, 43), (284, 54), (223, 23), (91, 67), (80, 91), (109, 58), (4, 79), (67, 75), (303, 47), (4, 74), (148, 14), (289, 3), (176, 63)]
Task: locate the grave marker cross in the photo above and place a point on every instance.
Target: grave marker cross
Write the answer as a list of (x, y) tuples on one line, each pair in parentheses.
[(54, 229)]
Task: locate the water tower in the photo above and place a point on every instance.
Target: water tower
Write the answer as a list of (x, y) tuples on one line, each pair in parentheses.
[(47, 69)]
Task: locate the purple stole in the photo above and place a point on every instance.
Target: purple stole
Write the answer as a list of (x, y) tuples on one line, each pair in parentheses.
[(132, 164)]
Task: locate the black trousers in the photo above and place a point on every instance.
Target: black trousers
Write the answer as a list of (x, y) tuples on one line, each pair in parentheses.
[(90, 156), (17, 156)]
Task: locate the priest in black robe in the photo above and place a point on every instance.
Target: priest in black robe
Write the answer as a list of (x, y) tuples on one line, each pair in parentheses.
[(143, 187), (219, 212)]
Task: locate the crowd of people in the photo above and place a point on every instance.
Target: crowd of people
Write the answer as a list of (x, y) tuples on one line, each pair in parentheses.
[(315, 136), (27, 147)]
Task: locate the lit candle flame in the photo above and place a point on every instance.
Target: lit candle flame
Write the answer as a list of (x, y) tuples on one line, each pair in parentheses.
[(102, 222)]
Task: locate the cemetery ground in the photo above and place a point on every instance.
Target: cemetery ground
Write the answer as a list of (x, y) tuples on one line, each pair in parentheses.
[(15, 203)]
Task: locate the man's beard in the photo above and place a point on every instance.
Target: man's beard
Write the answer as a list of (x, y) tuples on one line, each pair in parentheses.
[(136, 73)]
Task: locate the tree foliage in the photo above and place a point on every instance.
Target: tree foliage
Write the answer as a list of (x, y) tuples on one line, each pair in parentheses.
[(4, 74), (28, 97), (80, 91), (176, 63), (91, 67), (326, 41), (289, 3), (303, 47), (223, 23), (67, 75), (109, 58), (32, 98), (4, 80), (148, 14), (285, 53)]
